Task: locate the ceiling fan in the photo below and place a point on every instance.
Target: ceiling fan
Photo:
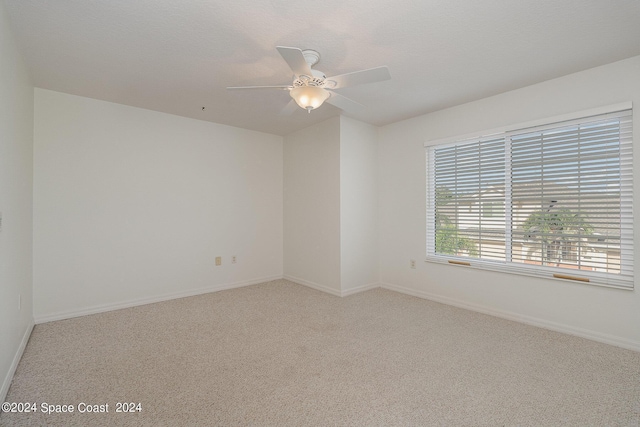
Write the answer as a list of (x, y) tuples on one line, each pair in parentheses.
[(311, 88)]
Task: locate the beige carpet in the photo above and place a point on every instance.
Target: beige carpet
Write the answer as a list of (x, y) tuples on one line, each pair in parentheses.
[(282, 354)]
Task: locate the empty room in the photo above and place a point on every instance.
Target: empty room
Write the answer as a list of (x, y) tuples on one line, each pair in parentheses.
[(280, 212)]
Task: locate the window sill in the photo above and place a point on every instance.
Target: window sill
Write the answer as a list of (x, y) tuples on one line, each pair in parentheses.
[(537, 272)]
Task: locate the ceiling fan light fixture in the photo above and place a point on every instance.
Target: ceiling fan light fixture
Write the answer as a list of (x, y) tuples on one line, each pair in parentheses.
[(309, 97), (311, 88)]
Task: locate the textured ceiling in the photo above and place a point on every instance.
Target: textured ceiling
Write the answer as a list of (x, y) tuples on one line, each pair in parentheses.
[(177, 56)]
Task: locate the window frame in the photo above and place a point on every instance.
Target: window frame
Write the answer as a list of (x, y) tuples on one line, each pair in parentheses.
[(625, 281)]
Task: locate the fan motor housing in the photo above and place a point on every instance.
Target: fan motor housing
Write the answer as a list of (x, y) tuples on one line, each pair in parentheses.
[(317, 77), (318, 80)]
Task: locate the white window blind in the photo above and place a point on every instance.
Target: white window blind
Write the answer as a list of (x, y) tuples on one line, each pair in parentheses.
[(551, 200)]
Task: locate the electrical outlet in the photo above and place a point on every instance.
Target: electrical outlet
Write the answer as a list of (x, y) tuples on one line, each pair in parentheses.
[(412, 263), (218, 260), (233, 259)]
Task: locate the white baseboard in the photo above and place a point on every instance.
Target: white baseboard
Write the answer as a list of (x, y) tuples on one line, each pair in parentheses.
[(142, 301), (313, 285), (331, 290), (14, 364), (533, 321), (359, 289)]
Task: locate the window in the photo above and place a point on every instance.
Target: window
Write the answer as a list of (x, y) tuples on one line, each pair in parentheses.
[(546, 200)]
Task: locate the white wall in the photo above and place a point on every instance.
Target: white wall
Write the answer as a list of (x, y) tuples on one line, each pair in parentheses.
[(16, 171), (133, 206), (312, 206), (610, 315), (358, 205)]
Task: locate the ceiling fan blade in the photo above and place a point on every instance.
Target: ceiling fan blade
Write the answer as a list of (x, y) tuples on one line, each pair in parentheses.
[(290, 108), (343, 102), (295, 59), (281, 87), (371, 75)]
